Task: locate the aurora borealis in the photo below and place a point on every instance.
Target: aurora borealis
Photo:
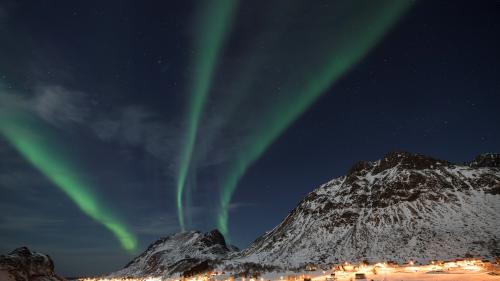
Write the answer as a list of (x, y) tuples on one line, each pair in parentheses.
[(122, 121), (211, 27), (345, 50), (30, 139), (338, 52)]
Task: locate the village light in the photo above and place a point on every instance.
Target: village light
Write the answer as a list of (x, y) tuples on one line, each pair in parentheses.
[(461, 266)]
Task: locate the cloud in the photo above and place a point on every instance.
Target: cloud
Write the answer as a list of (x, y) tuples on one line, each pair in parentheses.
[(238, 205), (58, 105), (54, 104), (106, 130), (130, 126), (136, 126)]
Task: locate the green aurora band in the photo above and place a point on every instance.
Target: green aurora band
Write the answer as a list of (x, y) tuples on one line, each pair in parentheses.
[(212, 26), (239, 84), (355, 40), (28, 136)]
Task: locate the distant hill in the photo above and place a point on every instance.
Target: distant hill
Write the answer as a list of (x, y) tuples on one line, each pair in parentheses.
[(25, 265)]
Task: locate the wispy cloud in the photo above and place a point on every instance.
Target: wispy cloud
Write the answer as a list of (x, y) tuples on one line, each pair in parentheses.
[(59, 105), (130, 126), (54, 104), (238, 205), (139, 127)]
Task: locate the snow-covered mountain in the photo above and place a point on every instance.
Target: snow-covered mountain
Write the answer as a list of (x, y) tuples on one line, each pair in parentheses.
[(405, 206), (183, 252)]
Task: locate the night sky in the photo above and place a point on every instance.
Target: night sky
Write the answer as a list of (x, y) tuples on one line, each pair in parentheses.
[(121, 121)]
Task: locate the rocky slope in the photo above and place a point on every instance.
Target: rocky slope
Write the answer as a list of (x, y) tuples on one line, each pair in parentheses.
[(405, 206), (183, 253), (25, 265)]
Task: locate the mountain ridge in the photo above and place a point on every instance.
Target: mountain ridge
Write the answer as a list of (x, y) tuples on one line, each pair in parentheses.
[(369, 191), (401, 207)]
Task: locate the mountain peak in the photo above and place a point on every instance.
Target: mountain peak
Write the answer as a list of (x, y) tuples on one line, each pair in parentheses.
[(214, 237), (177, 254), (401, 159), (22, 252), (360, 167), (407, 160), (485, 160)]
